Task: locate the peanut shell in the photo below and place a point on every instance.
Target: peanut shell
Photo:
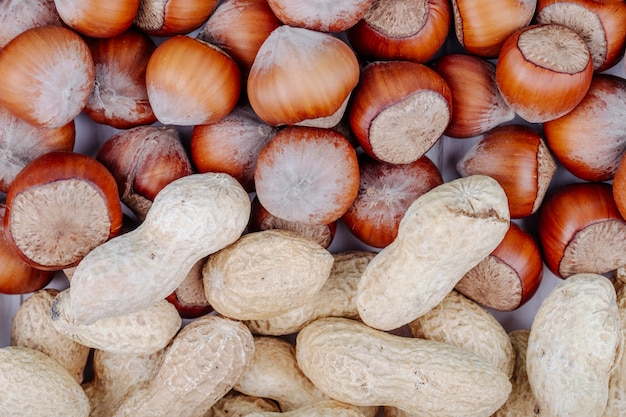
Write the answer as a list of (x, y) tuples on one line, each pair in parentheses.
[(443, 234), (574, 344)]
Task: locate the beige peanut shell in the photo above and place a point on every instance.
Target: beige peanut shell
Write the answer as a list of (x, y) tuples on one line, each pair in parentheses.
[(200, 366), (274, 373), (115, 375), (443, 234), (328, 408), (190, 218), (236, 404), (616, 404), (574, 344), (264, 274), (521, 402), (36, 385), (356, 364), (32, 328), (336, 298), (141, 332), (462, 322)]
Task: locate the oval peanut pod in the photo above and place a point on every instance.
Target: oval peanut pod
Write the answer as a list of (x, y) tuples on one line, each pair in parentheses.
[(462, 322), (36, 385), (359, 365), (264, 274), (190, 218), (574, 344), (200, 366), (329, 408), (444, 233), (141, 332), (521, 401), (236, 404), (32, 328), (274, 373), (336, 298), (617, 383), (114, 375)]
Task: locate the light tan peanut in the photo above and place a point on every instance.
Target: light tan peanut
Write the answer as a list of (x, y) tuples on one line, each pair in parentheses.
[(115, 375), (328, 408), (359, 365), (521, 402), (32, 328), (264, 274), (199, 367), (337, 298), (616, 403), (574, 344), (141, 332), (189, 219), (443, 234), (236, 404), (462, 322), (36, 385), (274, 374)]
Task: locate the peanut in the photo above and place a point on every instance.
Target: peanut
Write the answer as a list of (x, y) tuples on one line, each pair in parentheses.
[(462, 322), (264, 274), (521, 402), (236, 404), (200, 366), (359, 365), (443, 234), (190, 218), (573, 347), (141, 332), (337, 297), (616, 403), (115, 375), (36, 385), (327, 408), (274, 374), (33, 328)]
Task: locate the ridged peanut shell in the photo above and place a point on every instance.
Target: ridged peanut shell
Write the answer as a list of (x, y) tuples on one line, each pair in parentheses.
[(617, 383), (444, 233), (189, 219), (32, 327), (574, 344), (116, 374), (521, 402), (336, 298), (265, 273), (274, 373), (199, 367), (328, 408), (142, 332), (36, 385), (359, 365), (462, 322)]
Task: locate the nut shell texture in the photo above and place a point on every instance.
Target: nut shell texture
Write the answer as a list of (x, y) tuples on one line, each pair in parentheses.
[(200, 366), (443, 234), (189, 219), (574, 344), (359, 365), (143, 332), (463, 323), (35, 385), (265, 273)]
